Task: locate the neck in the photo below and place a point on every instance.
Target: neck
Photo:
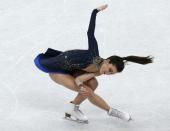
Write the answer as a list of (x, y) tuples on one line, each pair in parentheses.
[(98, 61)]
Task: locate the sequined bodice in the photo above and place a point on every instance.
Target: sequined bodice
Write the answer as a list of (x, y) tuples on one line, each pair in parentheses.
[(95, 66), (97, 61)]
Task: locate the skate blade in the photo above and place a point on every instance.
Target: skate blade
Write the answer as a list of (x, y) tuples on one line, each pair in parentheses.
[(69, 117)]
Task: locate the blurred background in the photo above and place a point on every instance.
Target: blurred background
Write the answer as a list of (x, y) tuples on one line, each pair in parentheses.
[(31, 101)]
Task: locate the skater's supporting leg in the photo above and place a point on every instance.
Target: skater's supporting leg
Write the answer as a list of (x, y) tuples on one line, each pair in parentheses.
[(79, 99)]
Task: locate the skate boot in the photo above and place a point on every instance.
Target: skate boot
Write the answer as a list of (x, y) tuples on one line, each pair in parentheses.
[(119, 114), (75, 114)]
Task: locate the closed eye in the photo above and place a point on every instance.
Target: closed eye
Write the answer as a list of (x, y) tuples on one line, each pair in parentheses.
[(110, 70)]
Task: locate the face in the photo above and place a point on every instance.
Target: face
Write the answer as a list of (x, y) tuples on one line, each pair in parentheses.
[(108, 68)]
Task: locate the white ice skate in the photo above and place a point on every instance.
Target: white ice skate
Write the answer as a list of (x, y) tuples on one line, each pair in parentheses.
[(119, 114), (75, 114)]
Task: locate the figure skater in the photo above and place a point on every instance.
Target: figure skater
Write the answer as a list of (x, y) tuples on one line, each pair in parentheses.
[(77, 70)]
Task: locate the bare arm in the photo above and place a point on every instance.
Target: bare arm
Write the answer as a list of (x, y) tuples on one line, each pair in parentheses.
[(85, 77)]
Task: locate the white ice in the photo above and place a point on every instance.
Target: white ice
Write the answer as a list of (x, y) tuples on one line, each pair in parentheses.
[(31, 101)]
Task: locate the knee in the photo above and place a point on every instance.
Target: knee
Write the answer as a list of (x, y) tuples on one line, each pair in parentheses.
[(93, 83), (91, 92)]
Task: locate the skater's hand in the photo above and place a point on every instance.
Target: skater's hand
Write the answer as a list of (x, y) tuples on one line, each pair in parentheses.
[(86, 91), (100, 8)]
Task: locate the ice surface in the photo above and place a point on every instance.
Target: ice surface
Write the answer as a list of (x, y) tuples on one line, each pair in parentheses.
[(31, 101)]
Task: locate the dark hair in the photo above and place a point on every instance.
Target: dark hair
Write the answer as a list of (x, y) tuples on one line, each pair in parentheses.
[(119, 62)]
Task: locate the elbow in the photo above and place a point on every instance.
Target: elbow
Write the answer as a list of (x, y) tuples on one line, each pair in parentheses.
[(78, 81), (90, 34)]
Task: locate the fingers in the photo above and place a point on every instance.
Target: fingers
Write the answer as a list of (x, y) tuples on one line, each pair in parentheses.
[(86, 91), (102, 7), (83, 91)]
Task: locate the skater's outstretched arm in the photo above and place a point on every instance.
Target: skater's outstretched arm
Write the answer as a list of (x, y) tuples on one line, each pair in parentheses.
[(92, 23), (92, 43)]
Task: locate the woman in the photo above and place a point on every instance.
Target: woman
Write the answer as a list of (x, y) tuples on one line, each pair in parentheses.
[(77, 70)]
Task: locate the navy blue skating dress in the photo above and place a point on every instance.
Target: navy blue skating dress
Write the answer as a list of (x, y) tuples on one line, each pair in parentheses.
[(71, 61)]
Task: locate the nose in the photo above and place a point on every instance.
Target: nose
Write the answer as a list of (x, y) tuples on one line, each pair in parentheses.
[(107, 73)]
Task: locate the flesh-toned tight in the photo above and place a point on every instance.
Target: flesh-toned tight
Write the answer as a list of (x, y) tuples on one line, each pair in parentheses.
[(68, 81)]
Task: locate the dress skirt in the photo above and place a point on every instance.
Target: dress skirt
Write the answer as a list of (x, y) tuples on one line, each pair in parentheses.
[(52, 53), (39, 66)]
